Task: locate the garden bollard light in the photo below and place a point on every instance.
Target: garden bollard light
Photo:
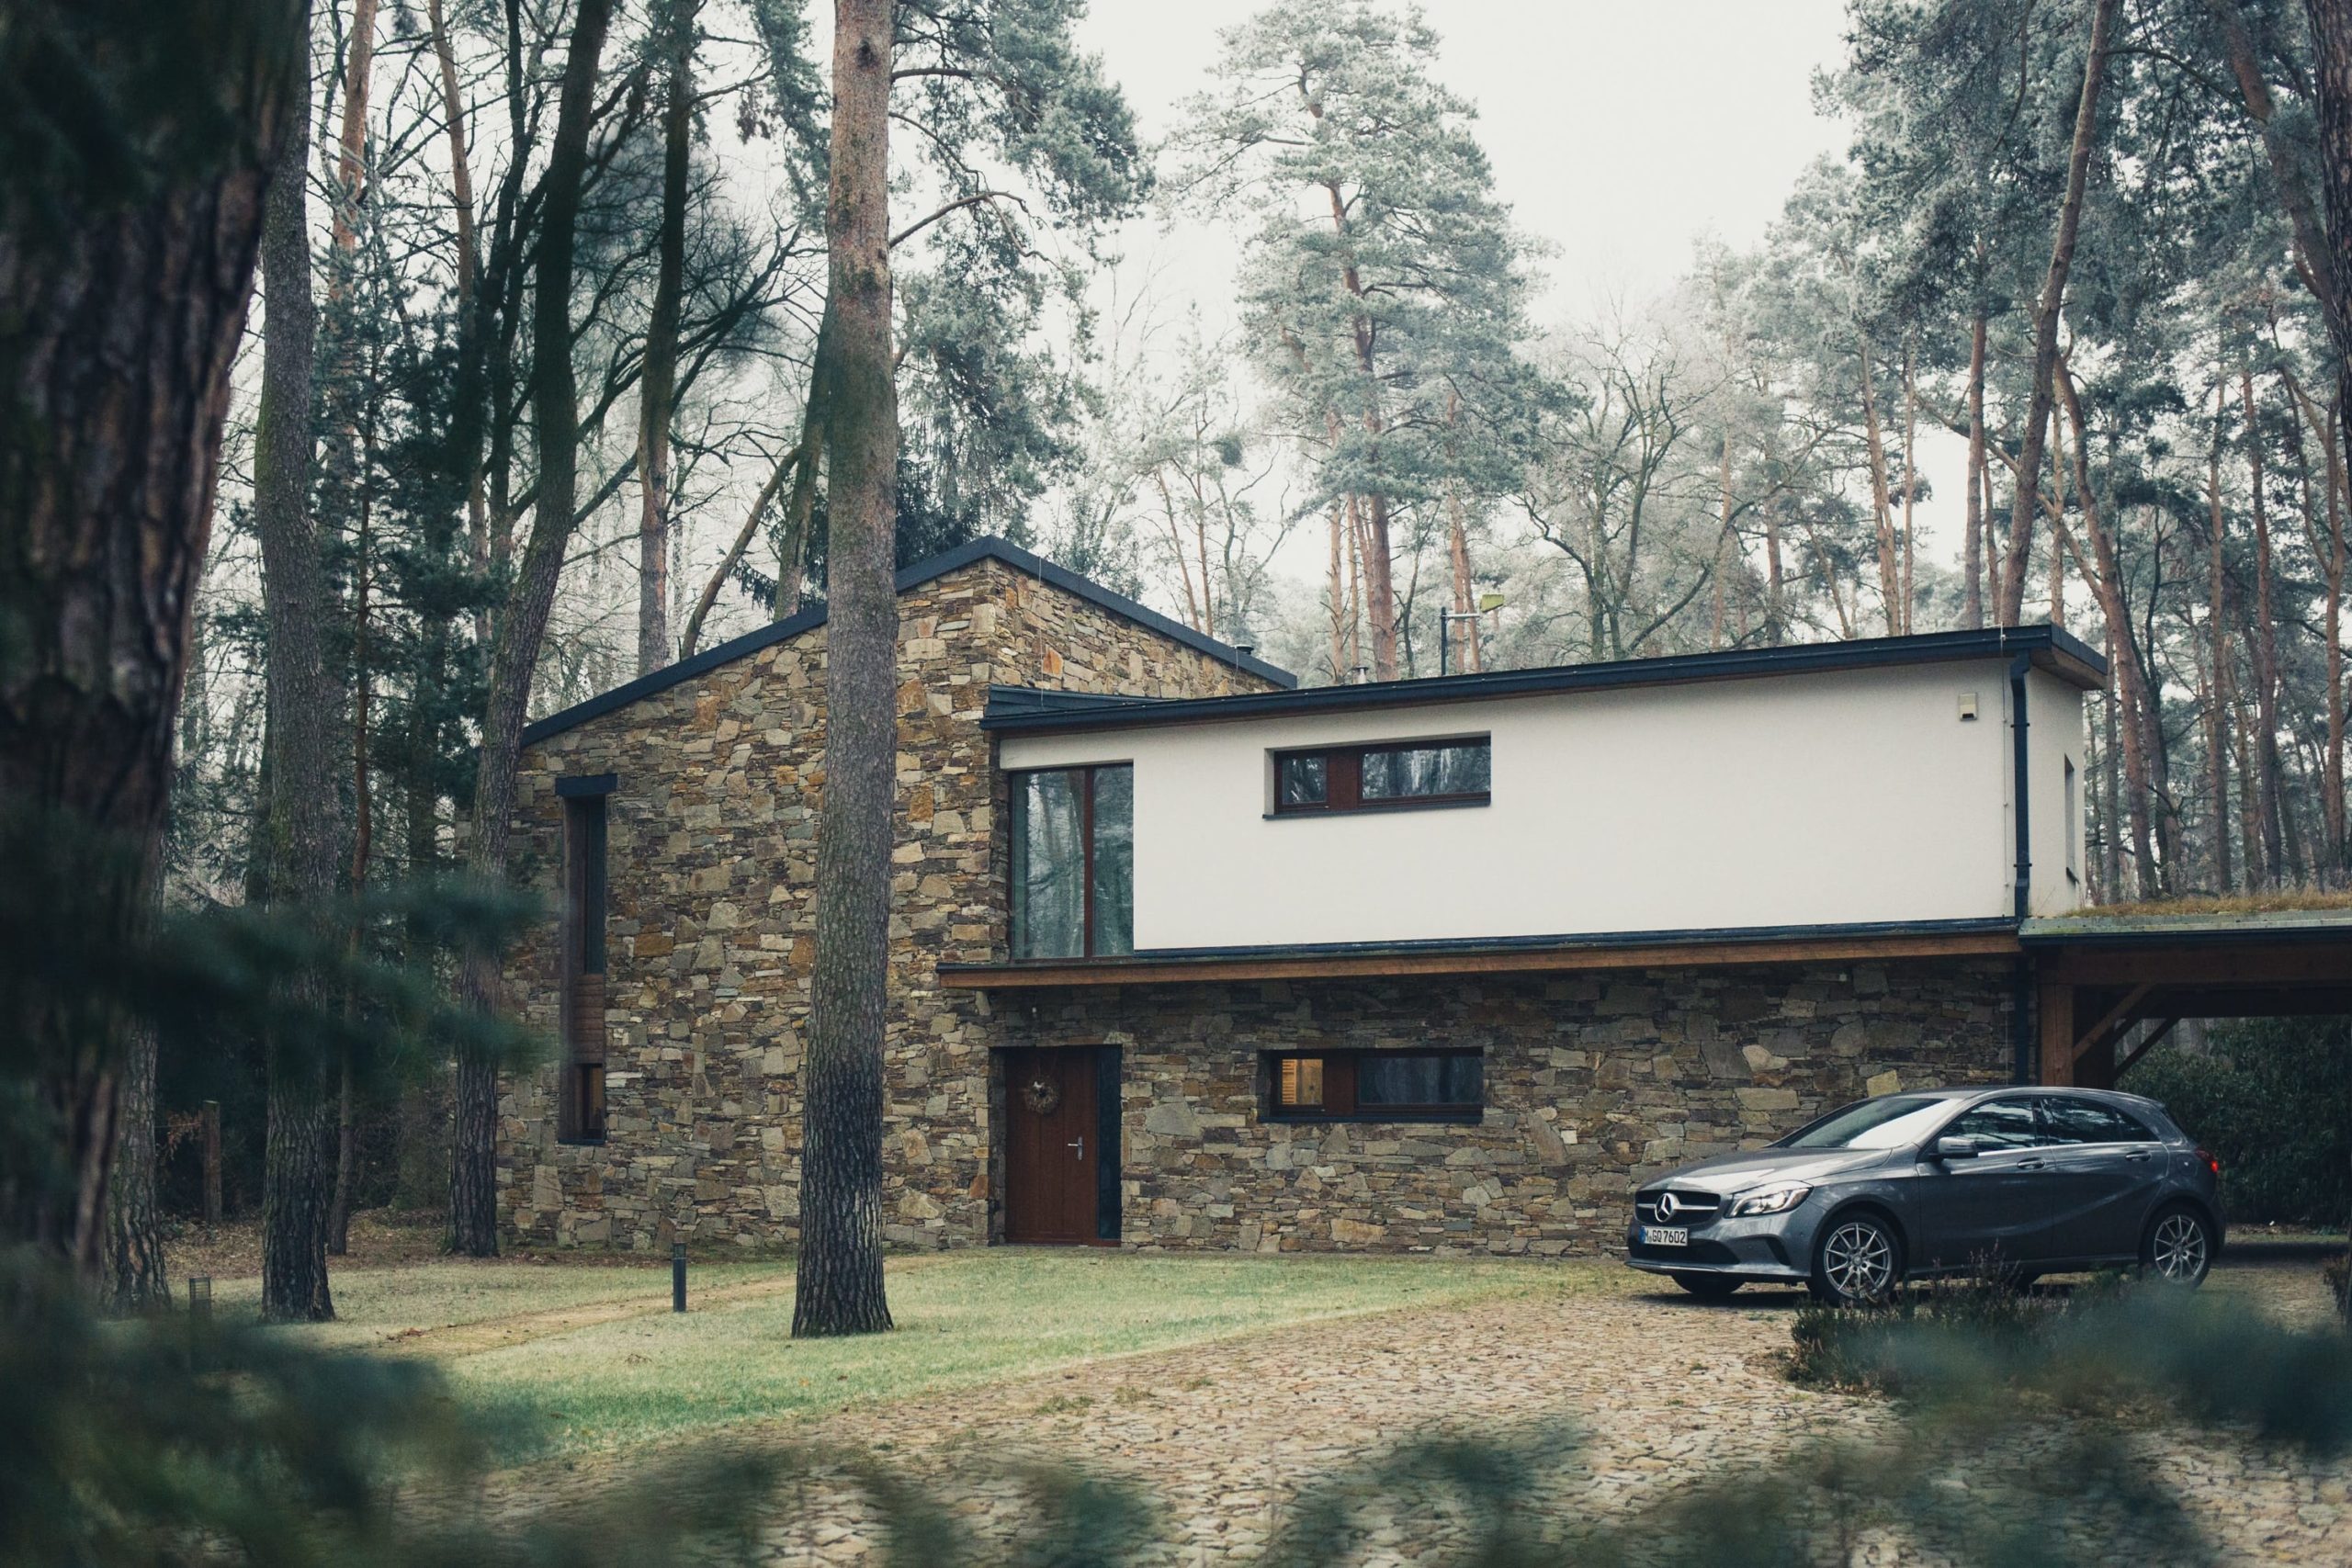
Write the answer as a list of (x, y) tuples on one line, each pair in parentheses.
[(677, 1276), (200, 1296)]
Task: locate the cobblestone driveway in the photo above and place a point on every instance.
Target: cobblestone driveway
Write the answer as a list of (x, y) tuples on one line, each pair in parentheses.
[(1660, 1387)]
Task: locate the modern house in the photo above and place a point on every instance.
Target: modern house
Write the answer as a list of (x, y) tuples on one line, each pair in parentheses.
[(1186, 956)]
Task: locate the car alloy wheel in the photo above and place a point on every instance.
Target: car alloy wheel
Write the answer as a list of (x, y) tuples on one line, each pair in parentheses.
[(1857, 1261), (2178, 1251)]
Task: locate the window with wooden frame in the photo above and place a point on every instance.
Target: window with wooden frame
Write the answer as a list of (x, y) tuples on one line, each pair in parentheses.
[(1376, 1085), (1396, 776), (1073, 872), (580, 1112)]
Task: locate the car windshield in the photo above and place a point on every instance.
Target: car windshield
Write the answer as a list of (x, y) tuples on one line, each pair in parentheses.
[(1887, 1123)]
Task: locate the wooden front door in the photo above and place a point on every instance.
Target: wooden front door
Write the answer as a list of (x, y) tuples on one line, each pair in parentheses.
[(1053, 1146)]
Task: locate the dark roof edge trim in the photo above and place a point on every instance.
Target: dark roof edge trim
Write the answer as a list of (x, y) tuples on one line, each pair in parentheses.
[(2040, 934), (2051, 648), (1714, 936), (988, 547)]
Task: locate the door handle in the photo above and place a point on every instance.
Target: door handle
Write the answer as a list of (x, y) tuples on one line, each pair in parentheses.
[(2027, 1164), (1080, 1145), (2138, 1155)]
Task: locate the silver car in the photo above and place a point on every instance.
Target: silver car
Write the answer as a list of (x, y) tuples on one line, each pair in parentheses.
[(2037, 1179)]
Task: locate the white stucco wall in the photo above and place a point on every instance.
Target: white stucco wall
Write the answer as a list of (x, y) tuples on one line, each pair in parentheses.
[(1816, 799)]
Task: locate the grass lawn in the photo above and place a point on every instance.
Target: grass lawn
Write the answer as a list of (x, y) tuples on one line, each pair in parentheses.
[(589, 1359)]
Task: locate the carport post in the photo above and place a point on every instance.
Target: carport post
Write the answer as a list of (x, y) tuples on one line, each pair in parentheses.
[(2056, 1005)]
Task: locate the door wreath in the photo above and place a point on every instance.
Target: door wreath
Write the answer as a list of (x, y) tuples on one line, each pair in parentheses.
[(1041, 1095)]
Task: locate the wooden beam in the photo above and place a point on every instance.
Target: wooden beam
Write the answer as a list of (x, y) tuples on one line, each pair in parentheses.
[(1490, 961), (2118, 1015), (2283, 962), (2141, 1050), (2054, 1005)]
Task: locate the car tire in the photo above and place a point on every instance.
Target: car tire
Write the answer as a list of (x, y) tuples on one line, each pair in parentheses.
[(1857, 1260), (1708, 1287), (2178, 1246)]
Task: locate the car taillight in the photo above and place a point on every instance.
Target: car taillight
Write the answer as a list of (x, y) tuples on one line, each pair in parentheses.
[(2211, 1163)]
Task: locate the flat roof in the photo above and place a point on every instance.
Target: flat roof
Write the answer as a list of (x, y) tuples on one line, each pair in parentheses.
[(987, 547), (2116, 926), (2051, 648)]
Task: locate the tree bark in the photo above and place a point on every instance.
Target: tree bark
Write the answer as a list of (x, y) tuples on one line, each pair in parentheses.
[(2105, 575), (136, 1281), (514, 652), (2263, 642), (840, 1285), (657, 392), (766, 498), (299, 832), (1890, 592), (2294, 197), (107, 485), (2217, 658), (461, 200), (2045, 317), (1971, 613)]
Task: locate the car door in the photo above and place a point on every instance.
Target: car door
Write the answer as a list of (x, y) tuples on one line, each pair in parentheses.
[(2106, 1166), (1995, 1207)]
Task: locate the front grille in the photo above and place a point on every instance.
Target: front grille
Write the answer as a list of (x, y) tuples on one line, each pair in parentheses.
[(1697, 1252), (1689, 1208)]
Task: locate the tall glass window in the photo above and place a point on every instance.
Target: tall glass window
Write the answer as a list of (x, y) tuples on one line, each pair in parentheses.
[(1073, 863)]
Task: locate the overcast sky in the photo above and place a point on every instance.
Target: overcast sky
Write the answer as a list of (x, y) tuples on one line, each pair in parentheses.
[(1621, 131)]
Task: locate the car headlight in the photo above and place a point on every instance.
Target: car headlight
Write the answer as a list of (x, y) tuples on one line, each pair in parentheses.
[(1778, 1199)]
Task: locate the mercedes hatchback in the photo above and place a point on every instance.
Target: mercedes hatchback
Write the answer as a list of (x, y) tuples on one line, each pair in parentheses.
[(2036, 1180)]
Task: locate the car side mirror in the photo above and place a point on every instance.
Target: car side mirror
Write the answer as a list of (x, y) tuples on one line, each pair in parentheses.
[(1955, 1148)]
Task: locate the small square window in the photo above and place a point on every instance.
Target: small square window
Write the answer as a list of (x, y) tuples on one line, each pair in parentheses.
[(1299, 1086), (1305, 781)]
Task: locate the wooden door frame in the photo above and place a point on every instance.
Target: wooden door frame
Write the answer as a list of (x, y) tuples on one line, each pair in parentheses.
[(1110, 1165)]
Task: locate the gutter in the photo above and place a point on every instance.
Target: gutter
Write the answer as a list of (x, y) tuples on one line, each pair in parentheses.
[(2021, 1028)]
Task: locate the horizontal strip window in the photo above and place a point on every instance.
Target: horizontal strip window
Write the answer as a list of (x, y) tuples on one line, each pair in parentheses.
[(1382, 778), (1376, 1085)]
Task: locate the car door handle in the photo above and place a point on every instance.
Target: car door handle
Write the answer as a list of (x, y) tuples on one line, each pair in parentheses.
[(2027, 1164), (2138, 1155)]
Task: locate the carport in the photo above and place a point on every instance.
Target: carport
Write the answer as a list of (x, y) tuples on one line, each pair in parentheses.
[(2110, 983)]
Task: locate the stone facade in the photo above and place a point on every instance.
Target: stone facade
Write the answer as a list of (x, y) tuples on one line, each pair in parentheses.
[(711, 861), (1592, 1081)]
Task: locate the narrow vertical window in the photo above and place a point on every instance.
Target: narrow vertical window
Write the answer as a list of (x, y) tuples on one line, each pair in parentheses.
[(1073, 869), (581, 1109), (2073, 824)]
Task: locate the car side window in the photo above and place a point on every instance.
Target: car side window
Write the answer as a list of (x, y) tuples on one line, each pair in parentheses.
[(2072, 1120), (1998, 1125)]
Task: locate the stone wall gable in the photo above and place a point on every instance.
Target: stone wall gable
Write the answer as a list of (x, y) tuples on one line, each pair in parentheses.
[(711, 864)]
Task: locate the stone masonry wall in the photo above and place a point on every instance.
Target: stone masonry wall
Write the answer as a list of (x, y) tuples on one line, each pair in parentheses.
[(711, 857), (1594, 1083)]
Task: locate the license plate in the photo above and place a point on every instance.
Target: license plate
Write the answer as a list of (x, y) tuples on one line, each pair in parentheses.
[(1667, 1235)]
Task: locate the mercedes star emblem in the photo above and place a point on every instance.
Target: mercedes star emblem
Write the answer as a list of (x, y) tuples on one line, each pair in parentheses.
[(1667, 1206)]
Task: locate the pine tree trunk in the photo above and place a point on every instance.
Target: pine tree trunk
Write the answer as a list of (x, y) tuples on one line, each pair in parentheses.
[(2105, 572), (299, 832), (107, 485), (2264, 644), (136, 1281), (1889, 591), (514, 654), (1971, 613), (2214, 662), (840, 1284), (657, 391), (2045, 319)]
